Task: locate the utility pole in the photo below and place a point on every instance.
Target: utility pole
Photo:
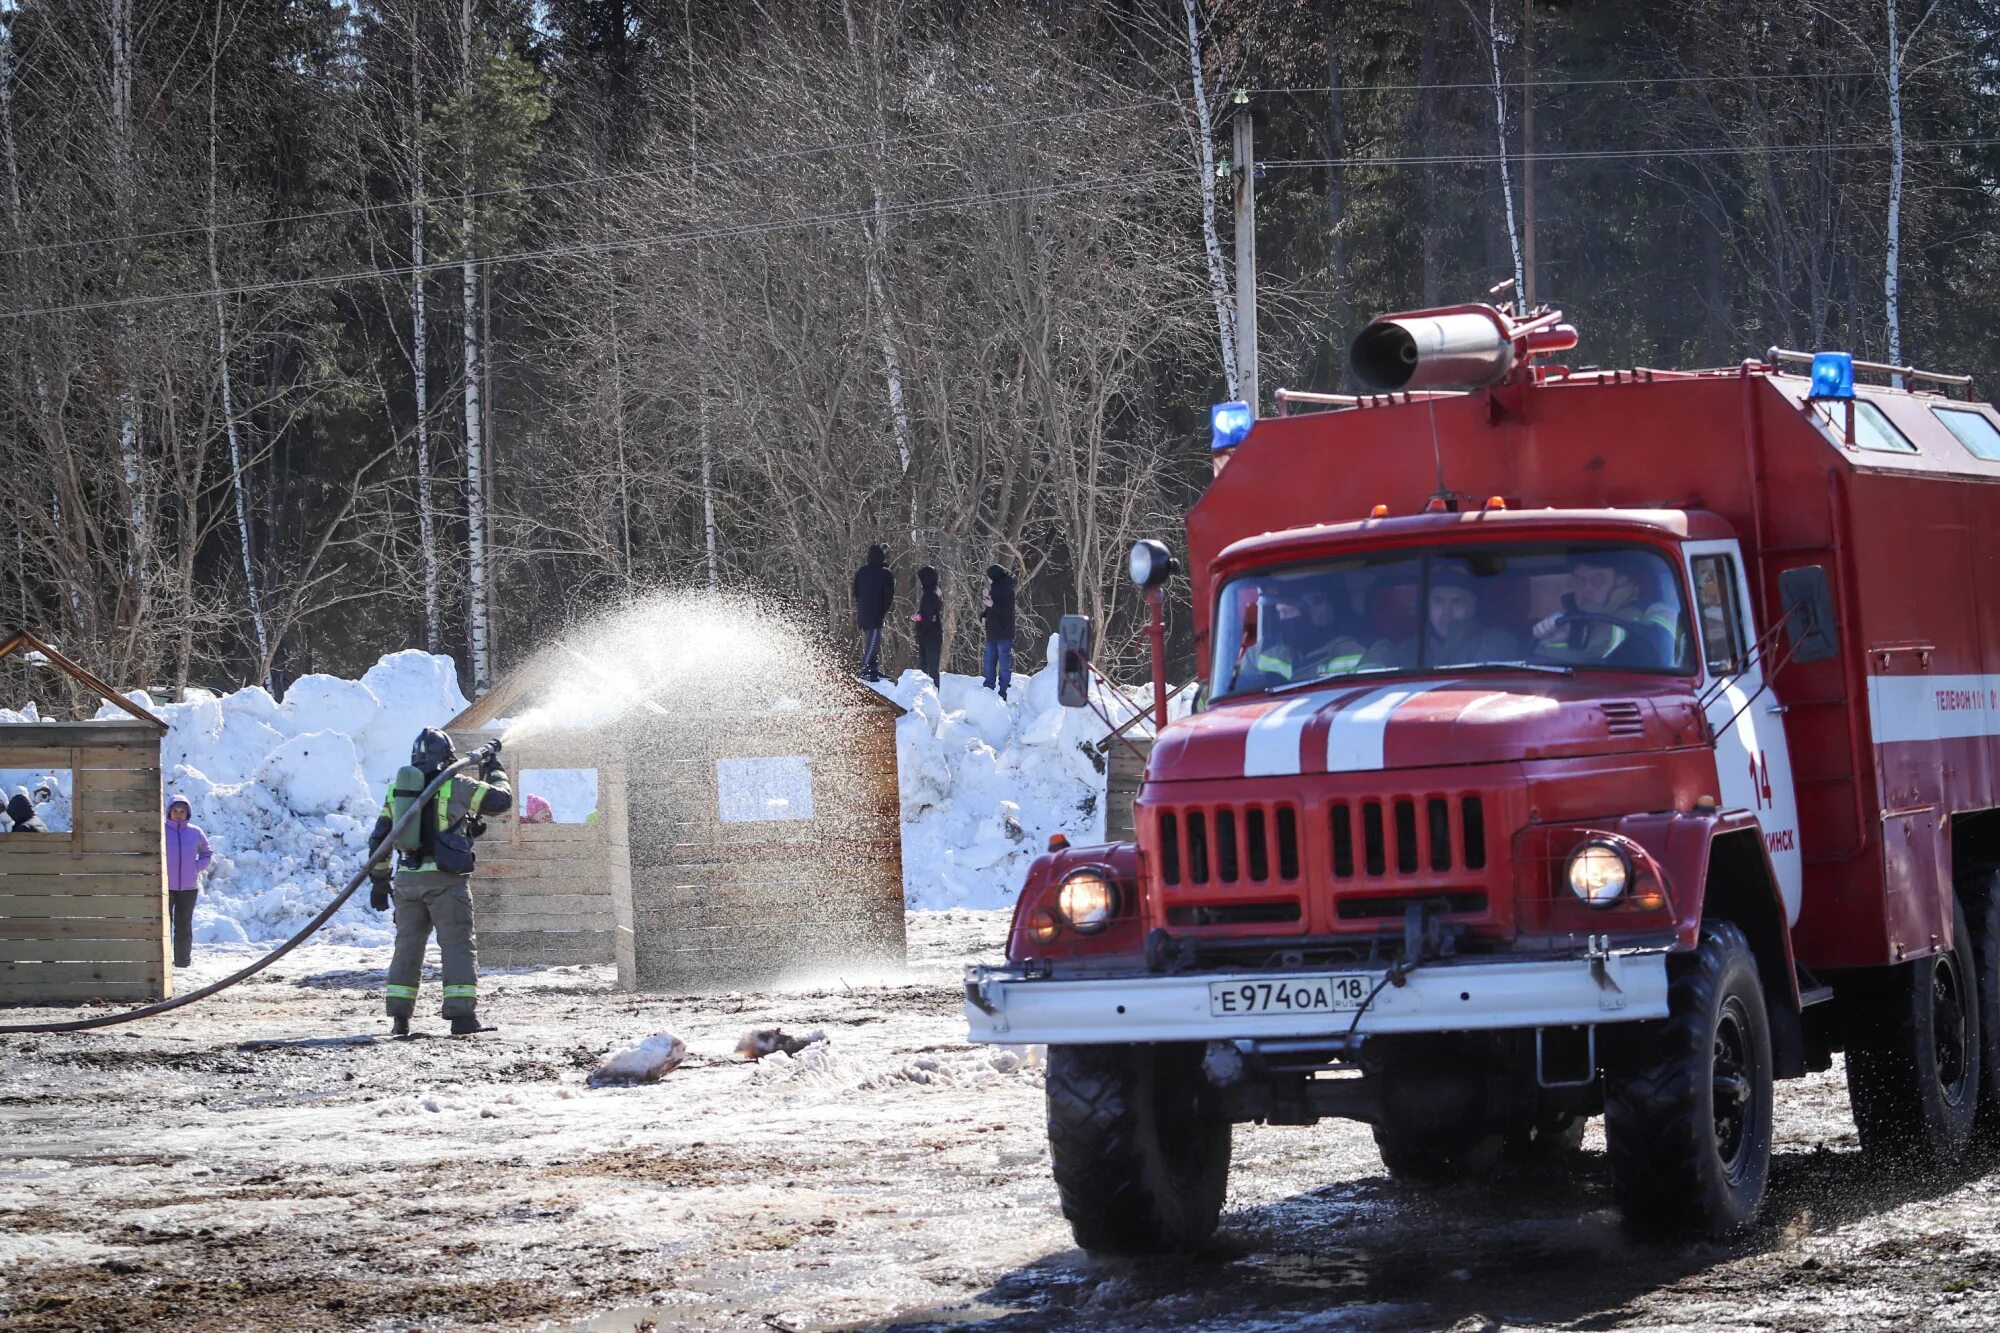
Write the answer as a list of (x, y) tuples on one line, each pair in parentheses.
[(1246, 254), (1528, 151)]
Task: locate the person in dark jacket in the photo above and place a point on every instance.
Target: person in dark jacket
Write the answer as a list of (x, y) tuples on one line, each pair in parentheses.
[(874, 593), (929, 621), (21, 815), (188, 855), (997, 667)]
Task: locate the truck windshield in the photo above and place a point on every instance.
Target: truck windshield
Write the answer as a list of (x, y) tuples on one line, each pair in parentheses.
[(1581, 607)]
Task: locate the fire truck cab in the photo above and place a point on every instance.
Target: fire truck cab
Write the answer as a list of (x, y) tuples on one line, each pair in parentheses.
[(1568, 743)]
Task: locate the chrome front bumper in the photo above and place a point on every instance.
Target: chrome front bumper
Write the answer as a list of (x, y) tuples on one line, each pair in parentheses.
[(1004, 1004)]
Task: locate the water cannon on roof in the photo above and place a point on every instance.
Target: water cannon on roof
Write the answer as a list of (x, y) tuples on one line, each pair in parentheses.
[(1455, 347)]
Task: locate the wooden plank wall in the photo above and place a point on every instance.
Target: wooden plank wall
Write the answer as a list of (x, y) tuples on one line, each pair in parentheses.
[(543, 893), (1124, 774), (715, 906), (83, 914)]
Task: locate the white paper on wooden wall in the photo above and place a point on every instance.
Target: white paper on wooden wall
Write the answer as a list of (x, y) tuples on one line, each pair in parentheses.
[(752, 791)]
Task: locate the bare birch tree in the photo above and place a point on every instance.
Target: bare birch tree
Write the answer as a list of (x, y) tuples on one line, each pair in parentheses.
[(1220, 290), (475, 491), (420, 371), (238, 464)]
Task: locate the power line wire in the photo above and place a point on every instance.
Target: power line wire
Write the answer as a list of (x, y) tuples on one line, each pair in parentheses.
[(750, 159), (1617, 155), (920, 207), (287, 219), (1486, 85), (664, 239)]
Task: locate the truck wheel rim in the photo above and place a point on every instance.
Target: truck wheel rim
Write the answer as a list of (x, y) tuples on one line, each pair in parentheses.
[(1732, 1081), (1948, 1028)]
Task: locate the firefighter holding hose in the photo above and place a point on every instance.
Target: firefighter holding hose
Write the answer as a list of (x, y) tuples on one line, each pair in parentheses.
[(432, 875)]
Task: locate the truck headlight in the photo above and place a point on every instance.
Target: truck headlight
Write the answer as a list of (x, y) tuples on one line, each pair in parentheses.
[(1150, 563), (1087, 901), (1599, 873)]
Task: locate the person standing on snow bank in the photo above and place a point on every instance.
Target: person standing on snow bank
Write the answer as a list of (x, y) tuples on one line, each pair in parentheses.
[(432, 884), (21, 813), (188, 855), (929, 621), (874, 594), (997, 668)]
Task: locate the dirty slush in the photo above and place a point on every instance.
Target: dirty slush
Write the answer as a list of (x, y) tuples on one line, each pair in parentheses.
[(215, 1169)]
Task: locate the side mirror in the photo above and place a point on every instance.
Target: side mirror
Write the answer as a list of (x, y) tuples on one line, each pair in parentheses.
[(1809, 617), (1073, 665)]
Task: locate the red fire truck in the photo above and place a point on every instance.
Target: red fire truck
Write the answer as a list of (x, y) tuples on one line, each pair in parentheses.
[(1569, 742)]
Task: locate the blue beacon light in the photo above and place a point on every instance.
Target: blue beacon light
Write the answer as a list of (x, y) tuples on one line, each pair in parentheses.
[(1228, 425), (1833, 375)]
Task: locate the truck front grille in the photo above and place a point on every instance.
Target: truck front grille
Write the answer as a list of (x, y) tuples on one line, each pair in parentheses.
[(1353, 861), (1250, 844), (1406, 835)]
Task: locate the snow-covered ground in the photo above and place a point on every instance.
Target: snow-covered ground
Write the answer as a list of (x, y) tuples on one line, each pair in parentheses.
[(267, 1160), (287, 792)]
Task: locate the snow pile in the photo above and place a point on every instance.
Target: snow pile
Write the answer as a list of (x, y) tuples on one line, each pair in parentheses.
[(820, 1066), (644, 1061), (46, 789), (985, 781), (288, 792)]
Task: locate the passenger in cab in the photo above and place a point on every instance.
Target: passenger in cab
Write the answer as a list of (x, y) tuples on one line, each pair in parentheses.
[(1619, 611), (1294, 636), (1330, 649), (1455, 630)]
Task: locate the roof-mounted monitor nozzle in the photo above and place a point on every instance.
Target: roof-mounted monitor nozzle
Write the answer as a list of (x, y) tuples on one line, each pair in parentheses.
[(1460, 347)]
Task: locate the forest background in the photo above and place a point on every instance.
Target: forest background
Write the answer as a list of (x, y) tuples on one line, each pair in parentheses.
[(329, 327)]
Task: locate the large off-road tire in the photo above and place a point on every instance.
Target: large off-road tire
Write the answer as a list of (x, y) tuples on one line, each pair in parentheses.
[(1687, 1099), (1913, 1048), (1981, 899), (1139, 1145)]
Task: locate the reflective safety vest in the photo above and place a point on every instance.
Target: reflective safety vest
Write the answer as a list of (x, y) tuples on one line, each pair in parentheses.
[(457, 799), (1274, 662), (1342, 662), (1587, 634), (1277, 660)]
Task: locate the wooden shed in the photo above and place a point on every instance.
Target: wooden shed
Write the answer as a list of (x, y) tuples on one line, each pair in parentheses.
[(1125, 757), (83, 909), (727, 848), (765, 845), (544, 891)]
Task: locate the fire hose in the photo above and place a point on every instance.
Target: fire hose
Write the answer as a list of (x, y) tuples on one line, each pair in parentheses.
[(375, 853)]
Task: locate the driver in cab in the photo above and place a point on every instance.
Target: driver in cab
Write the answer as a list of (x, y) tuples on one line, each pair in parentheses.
[(1611, 614)]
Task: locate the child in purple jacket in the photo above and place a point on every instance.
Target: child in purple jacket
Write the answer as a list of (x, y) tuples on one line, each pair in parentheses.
[(188, 855)]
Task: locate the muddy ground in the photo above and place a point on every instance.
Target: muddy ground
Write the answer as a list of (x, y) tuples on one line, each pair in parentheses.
[(267, 1160)]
